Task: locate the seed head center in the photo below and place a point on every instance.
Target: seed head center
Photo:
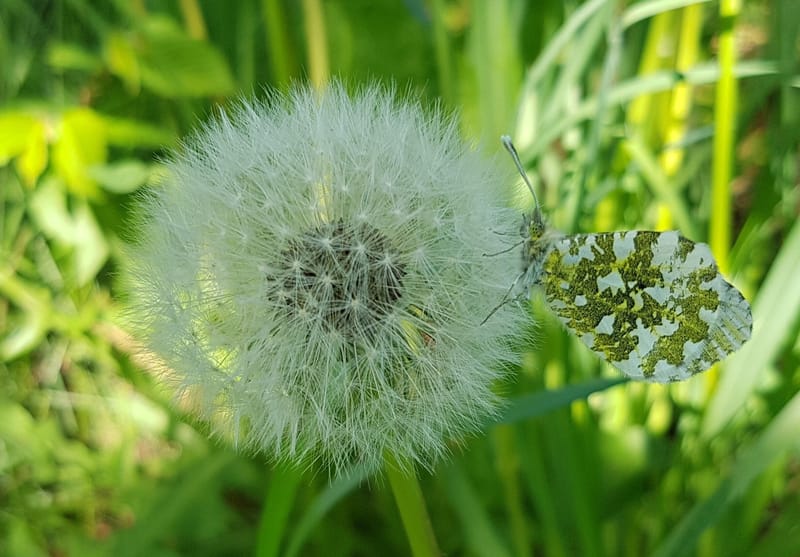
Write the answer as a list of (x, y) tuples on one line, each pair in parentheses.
[(347, 275)]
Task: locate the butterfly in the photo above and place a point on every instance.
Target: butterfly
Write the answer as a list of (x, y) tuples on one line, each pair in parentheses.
[(653, 304)]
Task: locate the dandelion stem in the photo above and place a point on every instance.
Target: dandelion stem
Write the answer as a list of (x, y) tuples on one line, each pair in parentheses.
[(408, 496)]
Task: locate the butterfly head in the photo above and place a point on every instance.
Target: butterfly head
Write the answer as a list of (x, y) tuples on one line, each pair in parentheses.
[(533, 229)]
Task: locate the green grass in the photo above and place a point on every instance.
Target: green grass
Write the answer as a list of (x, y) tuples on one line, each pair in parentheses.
[(649, 114)]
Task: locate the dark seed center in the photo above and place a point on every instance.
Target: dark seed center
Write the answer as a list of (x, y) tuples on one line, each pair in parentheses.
[(349, 276)]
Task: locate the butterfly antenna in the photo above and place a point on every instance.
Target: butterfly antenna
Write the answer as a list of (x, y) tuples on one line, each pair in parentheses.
[(509, 145)]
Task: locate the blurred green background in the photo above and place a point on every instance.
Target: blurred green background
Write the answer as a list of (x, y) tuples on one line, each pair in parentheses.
[(641, 114)]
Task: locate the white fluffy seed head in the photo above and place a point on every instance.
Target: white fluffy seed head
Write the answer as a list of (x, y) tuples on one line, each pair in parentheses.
[(312, 273)]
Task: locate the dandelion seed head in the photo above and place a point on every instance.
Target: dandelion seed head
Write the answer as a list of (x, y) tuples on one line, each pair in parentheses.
[(311, 273)]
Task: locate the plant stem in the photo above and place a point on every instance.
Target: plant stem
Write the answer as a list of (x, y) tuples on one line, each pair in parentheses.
[(444, 53), (278, 46), (410, 503), (507, 465), (193, 19), (317, 43), (724, 136)]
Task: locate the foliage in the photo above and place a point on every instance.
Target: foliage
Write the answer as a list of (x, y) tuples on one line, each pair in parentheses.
[(645, 114)]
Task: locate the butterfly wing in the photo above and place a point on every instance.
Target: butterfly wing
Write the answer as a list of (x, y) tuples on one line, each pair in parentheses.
[(653, 304)]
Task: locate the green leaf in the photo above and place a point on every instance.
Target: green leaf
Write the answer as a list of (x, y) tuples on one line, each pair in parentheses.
[(48, 208), (33, 159), (68, 56), (126, 132), (481, 538), (14, 129), (277, 505), (76, 228), (122, 60), (21, 538), (25, 333), (493, 54), (90, 250), (661, 185), (123, 176), (643, 10), (23, 136), (168, 62), (185, 68), (163, 515), (81, 143), (775, 310), (782, 436), (783, 535), (542, 402), (317, 510)]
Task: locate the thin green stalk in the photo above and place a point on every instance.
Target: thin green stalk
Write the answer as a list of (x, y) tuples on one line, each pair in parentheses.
[(89, 15), (542, 492), (686, 57), (639, 11), (642, 108), (411, 504), (610, 67), (444, 54), (277, 505), (725, 114), (480, 537), (317, 43), (193, 19), (648, 115), (625, 91), (776, 309), (507, 464), (724, 136), (498, 69), (549, 58), (680, 103), (278, 49), (575, 488), (778, 439), (246, 26), (315, 512), (660, 184)]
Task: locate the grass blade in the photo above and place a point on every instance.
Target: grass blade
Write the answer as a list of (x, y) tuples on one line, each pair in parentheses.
[(774, 311), (782, 435), (542, 402)]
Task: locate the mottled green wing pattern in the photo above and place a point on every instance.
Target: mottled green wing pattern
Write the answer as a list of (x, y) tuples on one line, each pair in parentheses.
[(653, 304)]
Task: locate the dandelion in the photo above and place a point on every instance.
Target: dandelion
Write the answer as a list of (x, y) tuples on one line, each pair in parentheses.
[(312, 274)]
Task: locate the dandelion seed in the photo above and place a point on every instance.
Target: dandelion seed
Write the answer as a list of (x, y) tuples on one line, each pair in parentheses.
[(311, 272)]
